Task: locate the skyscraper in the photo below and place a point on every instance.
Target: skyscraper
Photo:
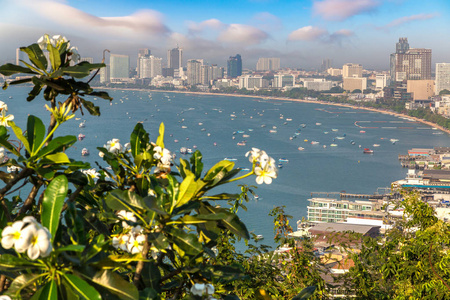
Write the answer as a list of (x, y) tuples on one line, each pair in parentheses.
[(150, 66), (175, 58), (194, 72), (442, 77), (142, 53), (268, 64), (410, 63), (326, 64), (120, 65), (352, 70), (234, 66)]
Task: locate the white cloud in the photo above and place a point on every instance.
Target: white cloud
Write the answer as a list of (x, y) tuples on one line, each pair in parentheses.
[(267, 21), (242, 34), (339, 10), (408, 19), (307, 33), (213, 24)]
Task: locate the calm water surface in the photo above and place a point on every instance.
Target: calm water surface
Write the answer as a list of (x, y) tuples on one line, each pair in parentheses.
[(208, 122)]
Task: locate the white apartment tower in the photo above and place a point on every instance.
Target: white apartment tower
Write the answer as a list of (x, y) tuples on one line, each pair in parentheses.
[(194, 72), (268, 64), (352, 70), (442, 77), (150, 67)]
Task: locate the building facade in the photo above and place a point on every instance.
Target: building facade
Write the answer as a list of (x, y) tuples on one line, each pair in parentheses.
[(282, 80), (234, 66), (410, 63), (175, 58), (194, 72), (420, 89), (354, 83), (352, 70), (382, 81), (268, 64), (119, 66), (442, 77), (250, 82)]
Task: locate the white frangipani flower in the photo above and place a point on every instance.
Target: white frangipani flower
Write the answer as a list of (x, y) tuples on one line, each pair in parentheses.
[(4, 297), (264, 174), (75, 55), (198, 289), (266, 160), (136, 244), (36, 239), (3, 106), (127, 216), (91, 173), (253, 155), (121, 242), (42, 42), (5, 118), (2, 154), (163, 155), (12, 234), (113, 146), (101, 154), (209, 289)]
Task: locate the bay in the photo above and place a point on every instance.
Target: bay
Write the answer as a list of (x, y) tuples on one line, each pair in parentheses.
[(208, 122)]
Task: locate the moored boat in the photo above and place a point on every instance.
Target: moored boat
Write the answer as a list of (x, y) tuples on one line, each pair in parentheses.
[(367, 151), (85, 152)]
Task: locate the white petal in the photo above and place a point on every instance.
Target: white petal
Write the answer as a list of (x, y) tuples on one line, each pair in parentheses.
[(8, 242), (267, 180), (259, 179), (33, 252)]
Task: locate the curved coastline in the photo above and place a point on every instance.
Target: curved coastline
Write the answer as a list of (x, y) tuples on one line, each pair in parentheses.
[(386, 112)]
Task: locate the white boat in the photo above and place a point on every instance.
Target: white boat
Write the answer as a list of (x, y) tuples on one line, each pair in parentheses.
[(393, 141), (340, 137), (333, 145), (314, 143), (318, 124), (272, 131), (283, 160), (334, 129), (230, 158), (84, 152), (82, 124), (184, 127), (81, 137), (301, 148), (376, 145), (183, 150), (259, 237)]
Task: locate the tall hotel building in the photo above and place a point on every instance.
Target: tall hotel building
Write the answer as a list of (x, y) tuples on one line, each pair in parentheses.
[(442, 77), (119, 66), (194, 71), (410, 63), (234, 66), (268, 64), (175, 58)]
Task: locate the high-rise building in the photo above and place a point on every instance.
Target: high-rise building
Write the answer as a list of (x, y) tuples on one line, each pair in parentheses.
[(234, 66), (104, 74), (20, 55), (143, 52), (250, 82), (194, 72), (268, 64), (119, 66), (352, 70), (149, 66), (410, 63), (175, 58), (282, 80), (382, 81), (326, 64), (442, 77), (217, 72)]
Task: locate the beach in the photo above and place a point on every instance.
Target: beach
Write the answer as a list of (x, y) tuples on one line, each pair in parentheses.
[(382, 111)]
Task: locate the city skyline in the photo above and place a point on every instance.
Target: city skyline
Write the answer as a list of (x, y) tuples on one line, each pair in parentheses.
[(300, 33)]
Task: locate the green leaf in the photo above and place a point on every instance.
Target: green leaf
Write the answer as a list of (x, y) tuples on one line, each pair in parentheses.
[(218, 171), (3, 132), (93, 110), (160, 139), (231, 221), (152, 204), (116, 285), (36, 56), (20, 136), (11, 69), (306, 293), (82, 69), (197, 164), (187, 242), (53, 202), (151, 275), (59, 143), (127, 200), (10, 262), (55, 58), (21, 282), (139, 139), (187, 190), (75, 248), (35, 133), (58, 158), (20, 81), (49, 291), (8, 146), (82, 288), (35, 90), (100, 94)]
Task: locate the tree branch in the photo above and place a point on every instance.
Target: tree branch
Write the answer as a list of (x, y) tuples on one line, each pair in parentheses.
[(140, 264)]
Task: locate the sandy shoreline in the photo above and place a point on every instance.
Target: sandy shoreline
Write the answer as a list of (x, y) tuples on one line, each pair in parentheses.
[(386, 112)]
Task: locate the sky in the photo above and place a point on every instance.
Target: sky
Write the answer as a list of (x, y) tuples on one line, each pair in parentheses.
[(301, 32)]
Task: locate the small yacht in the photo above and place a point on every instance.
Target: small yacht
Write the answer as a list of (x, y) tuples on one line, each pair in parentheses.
[(84, 152)]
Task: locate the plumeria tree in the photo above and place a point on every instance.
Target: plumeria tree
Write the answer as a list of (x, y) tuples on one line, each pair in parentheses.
[(139, 226)]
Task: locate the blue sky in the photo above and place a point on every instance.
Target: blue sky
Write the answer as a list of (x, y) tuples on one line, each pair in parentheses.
[(301, 33)]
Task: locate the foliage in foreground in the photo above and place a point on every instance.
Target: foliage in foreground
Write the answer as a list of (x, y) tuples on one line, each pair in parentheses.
[(141, 227)]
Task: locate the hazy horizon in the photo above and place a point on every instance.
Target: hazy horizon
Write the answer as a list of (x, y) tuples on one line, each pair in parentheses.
[(301, 33)]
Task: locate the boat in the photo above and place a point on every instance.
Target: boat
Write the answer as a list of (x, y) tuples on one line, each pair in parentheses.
[(303, 125), (352, 142), (333, 145), (305, 140), (301, 148), (376, 145), (272, 131), (81, 137), (241, 143), (288, 119), (245, 135), (325, 132), (280, 166), (183, 150), (318, 124), (340, 137), (259, 237), (324, 146), (82, 124), (362, 131), (314, 143), (393, 141), (367, 151), (230, 158), (283, 159), (184, 127), (84, 152), (334, 129), (240, 131), (189, 151)]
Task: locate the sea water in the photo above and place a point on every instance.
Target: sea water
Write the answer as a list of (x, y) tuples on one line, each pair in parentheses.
[(215, 125)]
